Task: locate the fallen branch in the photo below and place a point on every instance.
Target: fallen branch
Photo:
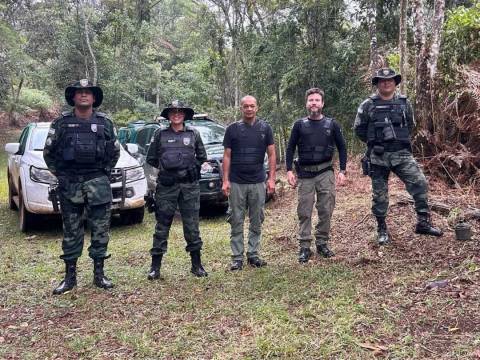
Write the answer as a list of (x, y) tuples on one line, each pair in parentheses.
[(441, 208)]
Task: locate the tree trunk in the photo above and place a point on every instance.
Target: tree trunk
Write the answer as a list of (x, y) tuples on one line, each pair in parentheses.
[(375, 62), (422, 76), (439, 10), (87, 41), (402, 44)]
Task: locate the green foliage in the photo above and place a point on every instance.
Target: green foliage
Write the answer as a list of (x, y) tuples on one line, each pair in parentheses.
[(461, 38), (35, 99), (123, 117)]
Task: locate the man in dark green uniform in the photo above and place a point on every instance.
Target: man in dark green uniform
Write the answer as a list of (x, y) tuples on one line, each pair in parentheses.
[(385, 122), (178, 153), (80, 150)]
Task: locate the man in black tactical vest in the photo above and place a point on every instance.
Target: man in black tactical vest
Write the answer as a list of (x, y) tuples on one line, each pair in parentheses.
[(80, 150), (246, 142), (316, 137), (385, 122), (178, 153)]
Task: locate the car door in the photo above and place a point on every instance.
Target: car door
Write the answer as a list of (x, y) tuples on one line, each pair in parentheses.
[(17, 158)]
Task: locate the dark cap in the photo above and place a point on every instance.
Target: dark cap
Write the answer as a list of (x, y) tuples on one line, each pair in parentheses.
[(83, 84), (386, 73), (178, 105)]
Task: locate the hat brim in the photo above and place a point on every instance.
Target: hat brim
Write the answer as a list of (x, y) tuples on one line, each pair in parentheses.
[(398, 79), (188, 112), (96, 91)]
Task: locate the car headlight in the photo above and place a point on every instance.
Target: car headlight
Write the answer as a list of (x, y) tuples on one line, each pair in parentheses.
[(42, 175), (206, 168), (134, 174)]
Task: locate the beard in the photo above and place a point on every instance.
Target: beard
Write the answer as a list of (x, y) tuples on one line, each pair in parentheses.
[(315, 112)]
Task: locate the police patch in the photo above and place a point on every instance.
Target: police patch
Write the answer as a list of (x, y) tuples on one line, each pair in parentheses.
[(94, 128), (48, 142), (186, 141), (360, 110), (84, 82)]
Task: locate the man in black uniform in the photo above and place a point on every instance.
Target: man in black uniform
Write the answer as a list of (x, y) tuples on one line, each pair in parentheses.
[(316, 137), (178, 153), (246, 142), (385, 122), (80, 150)]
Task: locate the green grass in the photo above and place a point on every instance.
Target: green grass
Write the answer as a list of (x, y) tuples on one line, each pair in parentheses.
[(328, 309)]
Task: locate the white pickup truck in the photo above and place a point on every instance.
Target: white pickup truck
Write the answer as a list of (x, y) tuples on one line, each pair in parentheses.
[(29, 180)]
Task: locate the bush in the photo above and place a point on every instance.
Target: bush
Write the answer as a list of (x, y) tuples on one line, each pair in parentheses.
[(34, 99)]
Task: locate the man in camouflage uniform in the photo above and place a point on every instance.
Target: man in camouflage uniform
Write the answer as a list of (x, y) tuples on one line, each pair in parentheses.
[(385, 122), (80, 150), (178, 152)]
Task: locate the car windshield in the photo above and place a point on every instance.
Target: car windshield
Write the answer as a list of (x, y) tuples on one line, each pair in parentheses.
[(211, 133), (37, 142)]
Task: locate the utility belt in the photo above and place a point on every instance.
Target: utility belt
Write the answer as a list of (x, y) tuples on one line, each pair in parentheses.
[(71, 178), (379, 149), (317, 168), (189, 175)]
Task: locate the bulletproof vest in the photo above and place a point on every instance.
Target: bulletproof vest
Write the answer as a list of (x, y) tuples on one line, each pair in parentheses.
[(249, 151), (82, 143), (177, 150), (315, 145), (392, 114)]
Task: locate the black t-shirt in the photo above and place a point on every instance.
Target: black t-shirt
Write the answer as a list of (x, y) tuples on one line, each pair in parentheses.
[(241, 138)]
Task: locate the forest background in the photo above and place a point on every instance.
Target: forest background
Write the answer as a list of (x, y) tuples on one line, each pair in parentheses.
[(144, 53)]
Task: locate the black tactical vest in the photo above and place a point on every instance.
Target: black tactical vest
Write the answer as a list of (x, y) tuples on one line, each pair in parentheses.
[(177, 150), (249, 151), (391, 113), (82, 143), (314, 146)]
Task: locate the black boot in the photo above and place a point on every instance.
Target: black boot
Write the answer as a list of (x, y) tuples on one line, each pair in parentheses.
[(424, 226), (155, 268), (304, 255), (197, 268), (99, 279), (324, 251), (70, 280), (382, 233)]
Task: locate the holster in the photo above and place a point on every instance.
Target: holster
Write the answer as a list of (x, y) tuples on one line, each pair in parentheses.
[(150, 201)]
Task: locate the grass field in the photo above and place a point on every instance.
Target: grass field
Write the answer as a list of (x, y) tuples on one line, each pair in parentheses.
[(364, 303)]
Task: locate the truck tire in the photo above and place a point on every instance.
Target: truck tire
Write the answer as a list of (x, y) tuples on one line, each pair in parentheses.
[(132, 216)]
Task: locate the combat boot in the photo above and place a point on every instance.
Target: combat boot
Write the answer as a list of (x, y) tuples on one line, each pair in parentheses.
[(324, 251), (424, 226), (197, 268), (99, 278), (70, 280), (382, 233), (155, 268), (304, 255)]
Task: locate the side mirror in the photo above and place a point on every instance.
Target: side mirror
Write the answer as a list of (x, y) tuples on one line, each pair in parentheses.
[(132, 148), (12, 148)]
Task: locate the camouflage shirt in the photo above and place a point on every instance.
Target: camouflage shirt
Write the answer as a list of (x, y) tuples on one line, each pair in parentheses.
[(365, 115)]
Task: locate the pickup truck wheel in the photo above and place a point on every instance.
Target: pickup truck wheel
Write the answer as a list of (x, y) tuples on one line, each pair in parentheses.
[(26, 218), (11, 202), (133, 216)]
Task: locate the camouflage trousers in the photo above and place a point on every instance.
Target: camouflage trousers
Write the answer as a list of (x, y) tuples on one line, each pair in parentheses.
[(94, 197), (323, 186), (185, 196), (243, 198), (406, 168)]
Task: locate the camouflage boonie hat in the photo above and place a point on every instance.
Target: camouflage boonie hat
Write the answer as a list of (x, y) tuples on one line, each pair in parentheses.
[(386, 73), (83, 84), (178, 105)]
